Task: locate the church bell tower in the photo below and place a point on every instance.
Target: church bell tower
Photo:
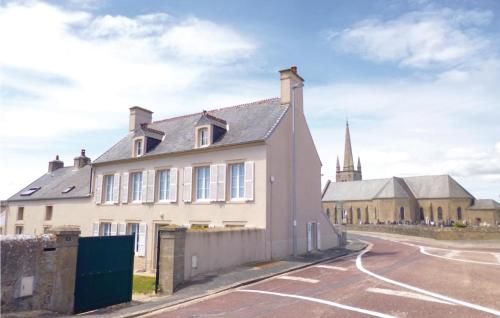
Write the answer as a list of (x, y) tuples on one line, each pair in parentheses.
[(348, 173)]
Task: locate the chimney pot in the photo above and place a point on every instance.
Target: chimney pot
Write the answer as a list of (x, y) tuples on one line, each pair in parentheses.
[(55, 164), (82, 153), (294, 69)]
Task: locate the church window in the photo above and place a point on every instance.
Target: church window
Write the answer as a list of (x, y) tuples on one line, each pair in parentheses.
[(358, 215), (459, 213), (402, 213), (440, 213), (422, 217)]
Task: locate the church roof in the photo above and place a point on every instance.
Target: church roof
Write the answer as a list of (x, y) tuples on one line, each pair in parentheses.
[(421, 187), (485, 204)]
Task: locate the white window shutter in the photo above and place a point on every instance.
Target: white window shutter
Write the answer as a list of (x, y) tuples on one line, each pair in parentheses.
[(116, 188), (188, 180), (221, 182), (124, 190), (150, 195), (144, 189), (95, 229), (141, 248), (213, 182), (98, 189), (173, 185), (114, 228), (318, 232), (249, 180), (122, 228)]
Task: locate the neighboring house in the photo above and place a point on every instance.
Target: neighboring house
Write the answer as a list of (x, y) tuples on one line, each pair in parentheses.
[(229, 167), (423, 199)]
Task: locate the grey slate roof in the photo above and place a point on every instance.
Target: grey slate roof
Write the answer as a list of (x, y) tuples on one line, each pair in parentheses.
[(52, 185), (246, 123), (421, 187), (485, 204)]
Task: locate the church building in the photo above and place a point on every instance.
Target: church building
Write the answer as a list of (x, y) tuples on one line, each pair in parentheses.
[(428, 199)]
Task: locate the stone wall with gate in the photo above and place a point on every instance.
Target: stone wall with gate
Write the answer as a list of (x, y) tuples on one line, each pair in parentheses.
[(38, 272)]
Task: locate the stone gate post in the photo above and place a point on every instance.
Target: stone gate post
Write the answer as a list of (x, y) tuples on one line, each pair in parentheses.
[(171, 258)]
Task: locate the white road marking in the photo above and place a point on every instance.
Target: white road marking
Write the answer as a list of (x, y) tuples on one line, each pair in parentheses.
[(497, 256), (406, 294), (338, 268), (451, 253), (359, 265), (321, 301), (424, 251), (299, 279)]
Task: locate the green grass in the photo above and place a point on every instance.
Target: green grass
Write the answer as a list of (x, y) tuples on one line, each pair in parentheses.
[(143, 284)]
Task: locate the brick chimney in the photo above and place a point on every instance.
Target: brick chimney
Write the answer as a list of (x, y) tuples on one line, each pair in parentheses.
[(55, 164), (139, 116), (82, 160), (290, 78)]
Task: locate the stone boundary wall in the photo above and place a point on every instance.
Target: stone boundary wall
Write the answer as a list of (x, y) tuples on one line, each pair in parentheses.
[(438, 233), (213, 250), (38, 272)]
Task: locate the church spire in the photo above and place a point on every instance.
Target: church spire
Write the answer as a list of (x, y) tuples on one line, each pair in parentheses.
[(338, 164), (348, 161), (359, 164)]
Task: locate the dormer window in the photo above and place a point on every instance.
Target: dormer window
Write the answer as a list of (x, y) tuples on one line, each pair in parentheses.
[(203, 137), (138, 148)]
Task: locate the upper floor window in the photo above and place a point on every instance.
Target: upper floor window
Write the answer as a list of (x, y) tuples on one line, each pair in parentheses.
[(237, 172), (109, 182), (164, 180), (138, 147), (48, 212), (202, 183), (136, 186), (203, 137), (20, 213)]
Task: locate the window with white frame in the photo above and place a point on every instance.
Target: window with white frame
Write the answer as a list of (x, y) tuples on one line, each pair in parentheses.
[(136, 186), (109, 182), (138, 147), (164, 185), (105, 229), (237, 172), (202, 183), (203, 137), (133, 229)]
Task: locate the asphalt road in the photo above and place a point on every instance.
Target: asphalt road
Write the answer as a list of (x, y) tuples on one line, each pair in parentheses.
[(391, 278)]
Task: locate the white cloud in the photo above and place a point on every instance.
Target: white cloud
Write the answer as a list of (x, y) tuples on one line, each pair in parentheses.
[(417, 39), (68, 72)]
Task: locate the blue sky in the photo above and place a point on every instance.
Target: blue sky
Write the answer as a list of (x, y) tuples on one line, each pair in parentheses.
[(418, 80)]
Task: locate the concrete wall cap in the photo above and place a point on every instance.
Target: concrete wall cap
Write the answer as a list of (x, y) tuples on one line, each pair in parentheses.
[(65, 230)]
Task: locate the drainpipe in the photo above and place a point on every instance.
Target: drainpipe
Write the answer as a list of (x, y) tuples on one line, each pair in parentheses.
[(294, 173)]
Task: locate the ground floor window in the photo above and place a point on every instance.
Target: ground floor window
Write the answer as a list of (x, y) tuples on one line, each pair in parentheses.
[(19, 229), (459, 213), (422, 217), (46, 229), (402, 213), (133, 229), (105, 229), (358, 215), (440, 213)]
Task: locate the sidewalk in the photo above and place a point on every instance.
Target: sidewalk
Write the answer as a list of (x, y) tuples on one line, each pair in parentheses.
[(214, 283)]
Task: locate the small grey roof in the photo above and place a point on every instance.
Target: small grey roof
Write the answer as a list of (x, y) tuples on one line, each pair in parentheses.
[(354, 190), (485, 204), (433, 187), (420, 187), (53, 184), (246, 123)]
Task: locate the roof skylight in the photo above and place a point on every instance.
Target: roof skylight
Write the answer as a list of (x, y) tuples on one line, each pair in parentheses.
[(68, 189), (30, 191)]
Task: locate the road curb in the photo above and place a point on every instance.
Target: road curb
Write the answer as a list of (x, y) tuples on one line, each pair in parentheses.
[(227, 287)]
